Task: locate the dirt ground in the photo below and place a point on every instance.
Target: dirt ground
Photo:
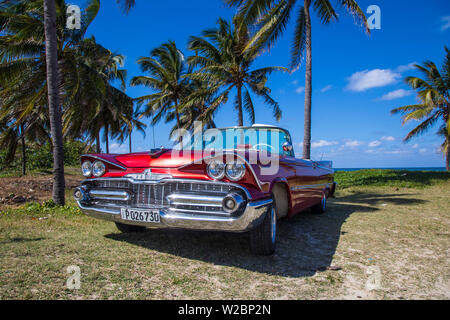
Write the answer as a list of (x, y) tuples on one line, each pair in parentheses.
[(15, 191)]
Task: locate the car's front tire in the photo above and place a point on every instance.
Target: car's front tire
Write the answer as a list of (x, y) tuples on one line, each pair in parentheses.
[(128, 228), (263, 237)]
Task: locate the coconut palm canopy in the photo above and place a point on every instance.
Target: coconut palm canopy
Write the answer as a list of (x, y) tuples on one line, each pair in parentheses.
[(90, 102), (271, 17), (433, 94), (224, 59)]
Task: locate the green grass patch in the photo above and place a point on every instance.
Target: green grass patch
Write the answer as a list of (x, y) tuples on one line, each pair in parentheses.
[(36, 209), (390, 178)]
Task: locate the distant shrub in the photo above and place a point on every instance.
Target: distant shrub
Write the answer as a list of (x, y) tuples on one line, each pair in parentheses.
[(40, 157)]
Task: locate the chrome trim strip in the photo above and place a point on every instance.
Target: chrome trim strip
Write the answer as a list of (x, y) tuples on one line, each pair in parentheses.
[(310, 186), (97, 194), (221, 213), (195, 200), (104, 160), (325, 168), (165, 180)]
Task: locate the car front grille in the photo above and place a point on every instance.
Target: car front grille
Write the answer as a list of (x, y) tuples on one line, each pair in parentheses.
[(157, 195)]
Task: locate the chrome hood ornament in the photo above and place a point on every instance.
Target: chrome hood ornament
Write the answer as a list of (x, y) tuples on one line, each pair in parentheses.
[(148, 175)]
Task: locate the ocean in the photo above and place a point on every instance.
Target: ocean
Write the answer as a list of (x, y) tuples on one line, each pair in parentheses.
[(405, 168)]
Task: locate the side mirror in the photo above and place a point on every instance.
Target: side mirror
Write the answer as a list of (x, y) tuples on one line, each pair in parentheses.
[(287, 147)]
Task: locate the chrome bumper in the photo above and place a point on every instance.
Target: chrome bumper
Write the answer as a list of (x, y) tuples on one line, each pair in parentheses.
[(253, 214), (182, 203)]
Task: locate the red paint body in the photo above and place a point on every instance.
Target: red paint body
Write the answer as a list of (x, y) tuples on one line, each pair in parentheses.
[(306, 181)]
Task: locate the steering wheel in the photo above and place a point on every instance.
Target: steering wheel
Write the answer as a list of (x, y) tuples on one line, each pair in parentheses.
[(261, 144)]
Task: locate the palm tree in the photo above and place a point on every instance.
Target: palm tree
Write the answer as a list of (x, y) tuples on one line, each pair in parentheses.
[(54, 106), (96, 105), (224, 59), (433, 92), (166, 66), (129, 123), (271, 18), (35, 42)]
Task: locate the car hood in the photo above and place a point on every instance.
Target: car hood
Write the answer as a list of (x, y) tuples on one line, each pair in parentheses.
[(163, 158)]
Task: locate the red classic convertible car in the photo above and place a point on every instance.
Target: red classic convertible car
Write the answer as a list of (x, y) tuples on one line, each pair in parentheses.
[(240, 179)]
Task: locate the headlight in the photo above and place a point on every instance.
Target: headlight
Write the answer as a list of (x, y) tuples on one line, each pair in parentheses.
[(98, 169), (216, 170), (86, 169), (235, 171)]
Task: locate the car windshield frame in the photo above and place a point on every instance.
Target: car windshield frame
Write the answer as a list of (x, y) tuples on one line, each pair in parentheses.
[(270, 139)]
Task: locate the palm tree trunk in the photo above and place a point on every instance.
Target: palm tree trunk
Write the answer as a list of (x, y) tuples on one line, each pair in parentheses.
[(97, 141), (447, 155), (239, 106), (54, 101), (308, 85), (24, 157), (129, 140), (107, 139), (177, 114)]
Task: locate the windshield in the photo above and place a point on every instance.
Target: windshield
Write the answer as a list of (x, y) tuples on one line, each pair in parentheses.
[(267, 139)]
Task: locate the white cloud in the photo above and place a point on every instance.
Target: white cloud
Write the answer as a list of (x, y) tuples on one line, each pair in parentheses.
[(422, 150), (118, 148), (294, 82), (406, 67), (300, 90), (415, 146), (326, 88), (387, 138), (395, 152), (396, 94), (323, 143), (352, 143), (446, 23), (375, 143), (367, 79)]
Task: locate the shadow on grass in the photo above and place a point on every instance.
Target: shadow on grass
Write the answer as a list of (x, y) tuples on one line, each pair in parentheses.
[(306, 243), (19, 239)]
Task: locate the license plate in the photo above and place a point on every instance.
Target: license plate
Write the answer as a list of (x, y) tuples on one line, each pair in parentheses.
[(140, 215)]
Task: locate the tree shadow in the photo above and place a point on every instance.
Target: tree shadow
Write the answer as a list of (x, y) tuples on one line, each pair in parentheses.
[(20, 239), (306, 243)]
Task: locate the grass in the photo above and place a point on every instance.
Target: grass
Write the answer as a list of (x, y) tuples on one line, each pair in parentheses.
[(400, 232), (390, 178)]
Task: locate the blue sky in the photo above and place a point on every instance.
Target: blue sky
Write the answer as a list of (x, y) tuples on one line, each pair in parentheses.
[(357, 79)]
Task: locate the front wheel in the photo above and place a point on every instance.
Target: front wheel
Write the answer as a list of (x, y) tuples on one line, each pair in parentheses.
[(263, 237), (128, 228)]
